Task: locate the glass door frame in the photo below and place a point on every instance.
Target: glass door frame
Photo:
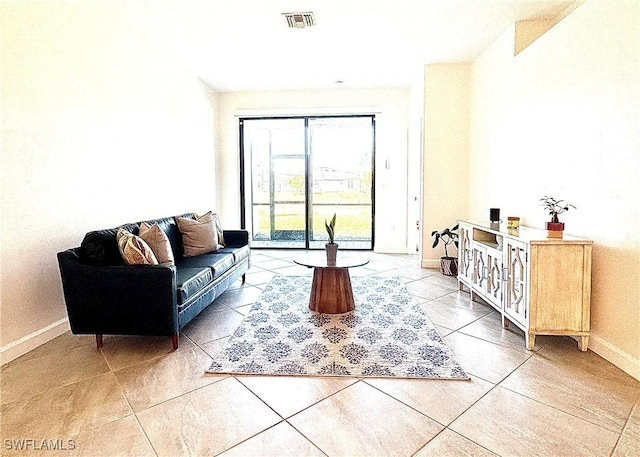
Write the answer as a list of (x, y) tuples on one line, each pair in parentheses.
[(308, 201)]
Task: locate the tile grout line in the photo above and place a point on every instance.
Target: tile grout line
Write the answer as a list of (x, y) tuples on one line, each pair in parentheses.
[(445, 426), (306, 437), (283, 418), (135, 414), (460, 435), (356, 380), (552, 406), (626, 424)]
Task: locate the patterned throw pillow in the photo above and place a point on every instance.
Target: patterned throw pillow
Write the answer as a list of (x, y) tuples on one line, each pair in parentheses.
[(199, 235), (158, 241), (134, 250)]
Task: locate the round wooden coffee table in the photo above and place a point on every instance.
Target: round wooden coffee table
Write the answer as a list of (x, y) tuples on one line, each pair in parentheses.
[(331, 291)]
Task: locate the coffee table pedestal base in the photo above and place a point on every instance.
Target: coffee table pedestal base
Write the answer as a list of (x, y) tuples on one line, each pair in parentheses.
[(331, 291)]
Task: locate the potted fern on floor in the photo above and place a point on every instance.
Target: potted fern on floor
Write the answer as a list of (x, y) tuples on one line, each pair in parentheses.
[(448, 264)]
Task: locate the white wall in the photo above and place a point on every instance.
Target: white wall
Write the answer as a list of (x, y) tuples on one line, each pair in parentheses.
[(446, 153), (99, 128), (392, 122), (562, 119)]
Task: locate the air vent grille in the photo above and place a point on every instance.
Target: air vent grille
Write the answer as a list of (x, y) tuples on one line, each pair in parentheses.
[(300, 20)]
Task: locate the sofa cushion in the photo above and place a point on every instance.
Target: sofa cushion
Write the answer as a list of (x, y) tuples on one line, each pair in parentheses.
[(157, 240), (134, 250), (100, 247), (239, 253), (191, 280), (199, 235), (219, 263)]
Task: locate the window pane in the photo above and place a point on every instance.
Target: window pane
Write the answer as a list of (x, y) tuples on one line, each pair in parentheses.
[(342, 151), (261, 223)]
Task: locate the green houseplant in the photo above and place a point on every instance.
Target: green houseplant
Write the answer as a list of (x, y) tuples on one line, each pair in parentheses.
[(448, 264), (555, 207), (331, 248)]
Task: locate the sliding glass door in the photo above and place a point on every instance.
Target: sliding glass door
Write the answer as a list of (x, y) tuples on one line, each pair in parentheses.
[(297, 172), (342, 177), (276, 162)]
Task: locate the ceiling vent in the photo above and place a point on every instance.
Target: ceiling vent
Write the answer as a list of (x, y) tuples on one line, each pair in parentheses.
[(300, 20)]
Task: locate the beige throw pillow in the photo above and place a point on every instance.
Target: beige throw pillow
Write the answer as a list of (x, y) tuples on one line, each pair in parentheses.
[(199, 235), (158, 241), (134, 250), (218, 224)]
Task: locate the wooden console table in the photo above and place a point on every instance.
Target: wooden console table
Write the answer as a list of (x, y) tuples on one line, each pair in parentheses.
[(331, 291), (540, 284)]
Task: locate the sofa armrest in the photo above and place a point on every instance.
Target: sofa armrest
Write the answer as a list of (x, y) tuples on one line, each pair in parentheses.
[(236, 238), (119, 299)]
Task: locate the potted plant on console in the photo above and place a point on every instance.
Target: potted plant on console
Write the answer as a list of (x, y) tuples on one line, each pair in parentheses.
[(555, 207), (448, 265), (331, 248)]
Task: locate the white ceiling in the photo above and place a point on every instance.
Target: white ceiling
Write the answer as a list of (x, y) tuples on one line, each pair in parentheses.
[(246, 44)]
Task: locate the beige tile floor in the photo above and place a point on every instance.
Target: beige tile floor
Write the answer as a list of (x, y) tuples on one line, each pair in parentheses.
[(136, 397)]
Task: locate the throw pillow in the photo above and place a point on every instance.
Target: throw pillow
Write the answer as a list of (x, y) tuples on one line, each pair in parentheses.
[(216, 220), (199, 235), (158, 241), (134, 250)]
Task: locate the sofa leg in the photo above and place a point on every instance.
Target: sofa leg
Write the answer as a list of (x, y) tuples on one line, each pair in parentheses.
[(174, 340), (99, 341), (244, 278)]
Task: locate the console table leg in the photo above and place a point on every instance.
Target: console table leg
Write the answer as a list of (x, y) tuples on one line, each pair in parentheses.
[(99, 341), (531, 341), (174, 340), (583, 343)]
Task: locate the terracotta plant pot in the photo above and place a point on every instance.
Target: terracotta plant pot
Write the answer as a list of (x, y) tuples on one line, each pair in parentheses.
[(449, 266), (554, 229)]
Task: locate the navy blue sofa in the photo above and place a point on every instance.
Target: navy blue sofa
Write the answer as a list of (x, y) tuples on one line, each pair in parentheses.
[(104, 296)]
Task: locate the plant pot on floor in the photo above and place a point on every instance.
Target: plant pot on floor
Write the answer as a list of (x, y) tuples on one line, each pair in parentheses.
[(449, 266), (332, 251)]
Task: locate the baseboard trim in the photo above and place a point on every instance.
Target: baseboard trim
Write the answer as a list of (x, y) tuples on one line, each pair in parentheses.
[(28, 343), (622, 360), (428, 263)]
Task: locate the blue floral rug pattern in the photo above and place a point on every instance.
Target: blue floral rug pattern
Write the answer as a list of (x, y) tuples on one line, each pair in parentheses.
[(388, 335)]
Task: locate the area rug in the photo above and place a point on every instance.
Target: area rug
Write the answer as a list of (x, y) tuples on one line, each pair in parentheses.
[(388, 335)]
